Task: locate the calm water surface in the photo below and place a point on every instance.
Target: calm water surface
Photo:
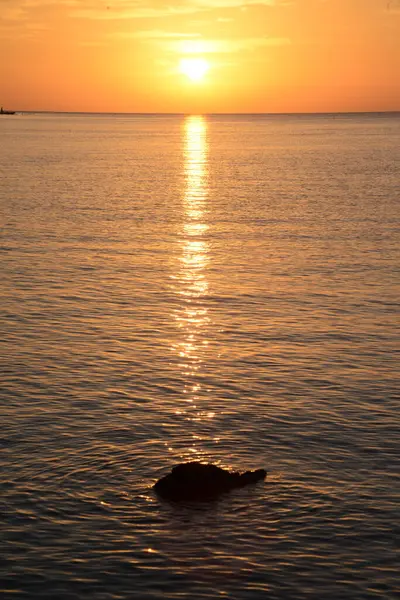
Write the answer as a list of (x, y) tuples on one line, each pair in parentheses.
[(219, 288)]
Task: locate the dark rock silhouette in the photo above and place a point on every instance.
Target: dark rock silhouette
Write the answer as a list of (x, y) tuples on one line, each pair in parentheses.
[(197, 481)]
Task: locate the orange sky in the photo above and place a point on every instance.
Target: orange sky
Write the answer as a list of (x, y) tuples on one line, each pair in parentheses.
[(263, 56)]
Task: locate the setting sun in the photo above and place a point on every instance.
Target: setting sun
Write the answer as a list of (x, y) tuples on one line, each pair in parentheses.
[(194, 68)]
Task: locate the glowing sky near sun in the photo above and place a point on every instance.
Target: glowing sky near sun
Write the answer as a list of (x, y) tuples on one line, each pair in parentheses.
[(251, 56)]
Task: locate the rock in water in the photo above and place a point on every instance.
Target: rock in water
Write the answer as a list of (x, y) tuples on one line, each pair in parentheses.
[(197, 481)]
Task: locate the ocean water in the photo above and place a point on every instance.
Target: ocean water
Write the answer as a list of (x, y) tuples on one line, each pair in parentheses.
[(214, 288)]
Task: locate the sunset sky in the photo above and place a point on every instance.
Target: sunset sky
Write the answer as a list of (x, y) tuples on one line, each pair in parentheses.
[(252, 56)]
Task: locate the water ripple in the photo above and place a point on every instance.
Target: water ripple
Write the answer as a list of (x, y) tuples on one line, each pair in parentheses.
[(217, 293)]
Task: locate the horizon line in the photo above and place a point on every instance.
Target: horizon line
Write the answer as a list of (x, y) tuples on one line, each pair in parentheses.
[(96, 112)]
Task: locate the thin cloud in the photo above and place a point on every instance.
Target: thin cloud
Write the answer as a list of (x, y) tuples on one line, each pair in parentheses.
[(146, 9), (231, 46), (119, 9), (17, 14), (157, 34)]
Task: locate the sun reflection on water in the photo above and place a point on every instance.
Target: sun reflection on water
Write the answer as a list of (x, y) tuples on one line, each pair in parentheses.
[(194, 256), (195, 248), (192, 284)]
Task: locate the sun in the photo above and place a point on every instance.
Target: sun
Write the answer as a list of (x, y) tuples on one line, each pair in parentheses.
[(194, 68)]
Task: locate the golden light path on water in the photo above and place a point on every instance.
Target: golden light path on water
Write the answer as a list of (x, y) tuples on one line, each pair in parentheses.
[(192, 317)]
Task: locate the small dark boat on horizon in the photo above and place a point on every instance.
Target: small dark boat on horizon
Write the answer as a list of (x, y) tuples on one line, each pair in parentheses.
[(6, 112)]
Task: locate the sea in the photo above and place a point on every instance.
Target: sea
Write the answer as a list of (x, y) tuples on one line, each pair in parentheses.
[(213, 288)]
